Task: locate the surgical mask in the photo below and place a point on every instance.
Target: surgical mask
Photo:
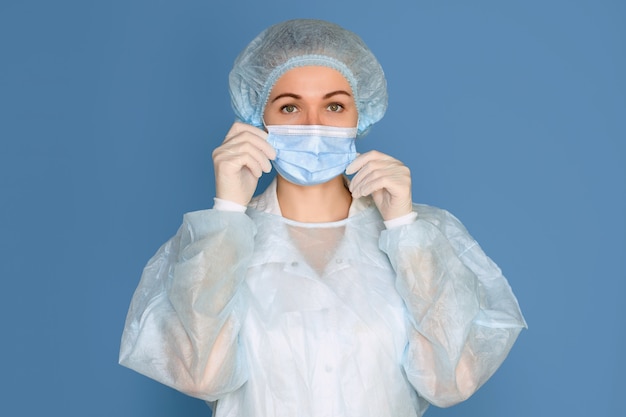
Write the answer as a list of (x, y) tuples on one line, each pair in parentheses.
[(311, 154)]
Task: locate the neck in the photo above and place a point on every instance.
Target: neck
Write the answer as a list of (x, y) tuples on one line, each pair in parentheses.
[(327, 202)]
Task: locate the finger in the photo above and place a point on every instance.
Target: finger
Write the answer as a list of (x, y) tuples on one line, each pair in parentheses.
[(236, 163), (239, 127), (355, 165), (243, 131), (253, 166), (368, 184), (382, 184), (392, 176), (238, 155), (248, 137), (362, 159), (259, 151), (366, 171)]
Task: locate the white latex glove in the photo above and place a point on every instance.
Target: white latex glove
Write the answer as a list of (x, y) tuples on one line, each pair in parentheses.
[(240, 161), (386, 179)]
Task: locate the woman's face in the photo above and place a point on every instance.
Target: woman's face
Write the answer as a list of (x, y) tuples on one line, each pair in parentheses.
[(311, 96)]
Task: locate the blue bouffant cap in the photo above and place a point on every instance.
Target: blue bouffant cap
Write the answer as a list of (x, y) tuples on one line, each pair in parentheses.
[(306, 42)]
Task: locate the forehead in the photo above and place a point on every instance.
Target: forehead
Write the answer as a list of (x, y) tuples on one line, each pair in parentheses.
[(311, 79)]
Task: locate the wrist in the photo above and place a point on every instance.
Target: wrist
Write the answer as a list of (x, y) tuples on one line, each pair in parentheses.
[(401, 220), (227, 205)]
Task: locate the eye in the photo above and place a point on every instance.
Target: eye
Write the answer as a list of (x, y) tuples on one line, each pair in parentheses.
[(289, 108), (335, 107)]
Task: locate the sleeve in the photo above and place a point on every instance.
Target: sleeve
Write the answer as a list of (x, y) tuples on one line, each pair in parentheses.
[(462, 315), (184, 319)]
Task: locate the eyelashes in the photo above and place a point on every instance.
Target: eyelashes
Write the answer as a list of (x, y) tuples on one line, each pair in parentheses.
[(292, 108)]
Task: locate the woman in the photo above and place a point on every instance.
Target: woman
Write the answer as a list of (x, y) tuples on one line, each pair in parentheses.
[(321, 296)]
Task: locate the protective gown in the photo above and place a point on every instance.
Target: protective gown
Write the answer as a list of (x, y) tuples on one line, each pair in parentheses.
[(271, 317)]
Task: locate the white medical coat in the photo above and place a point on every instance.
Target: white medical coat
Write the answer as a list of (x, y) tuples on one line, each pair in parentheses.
[(271, 317)]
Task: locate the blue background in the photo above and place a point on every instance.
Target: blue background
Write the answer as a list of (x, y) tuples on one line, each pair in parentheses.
[(511, 114)]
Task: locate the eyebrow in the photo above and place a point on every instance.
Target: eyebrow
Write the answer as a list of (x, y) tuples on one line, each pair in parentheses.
[(298, 97), (334, 93), (295, 96)]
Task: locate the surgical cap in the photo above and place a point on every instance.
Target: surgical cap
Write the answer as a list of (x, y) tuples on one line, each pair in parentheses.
[(305, 42)]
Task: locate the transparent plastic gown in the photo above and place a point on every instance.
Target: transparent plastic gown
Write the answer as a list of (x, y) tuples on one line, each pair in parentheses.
[(277, 318)]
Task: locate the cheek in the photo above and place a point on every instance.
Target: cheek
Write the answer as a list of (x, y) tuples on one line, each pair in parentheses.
[(277, 117), (350, 115), (348, 118), (354, 118), (269, 116)]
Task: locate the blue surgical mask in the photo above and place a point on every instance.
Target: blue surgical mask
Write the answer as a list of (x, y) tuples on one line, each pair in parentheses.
[(311, 154)]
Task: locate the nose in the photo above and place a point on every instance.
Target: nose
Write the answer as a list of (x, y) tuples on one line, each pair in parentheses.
[(313, 118)]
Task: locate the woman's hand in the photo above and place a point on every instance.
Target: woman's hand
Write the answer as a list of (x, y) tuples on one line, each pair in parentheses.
[(386, 179), (240, 161)]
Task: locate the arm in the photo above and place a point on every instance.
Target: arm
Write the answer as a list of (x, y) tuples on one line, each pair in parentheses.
[(463, 317), (185, 316), (183, 323)]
